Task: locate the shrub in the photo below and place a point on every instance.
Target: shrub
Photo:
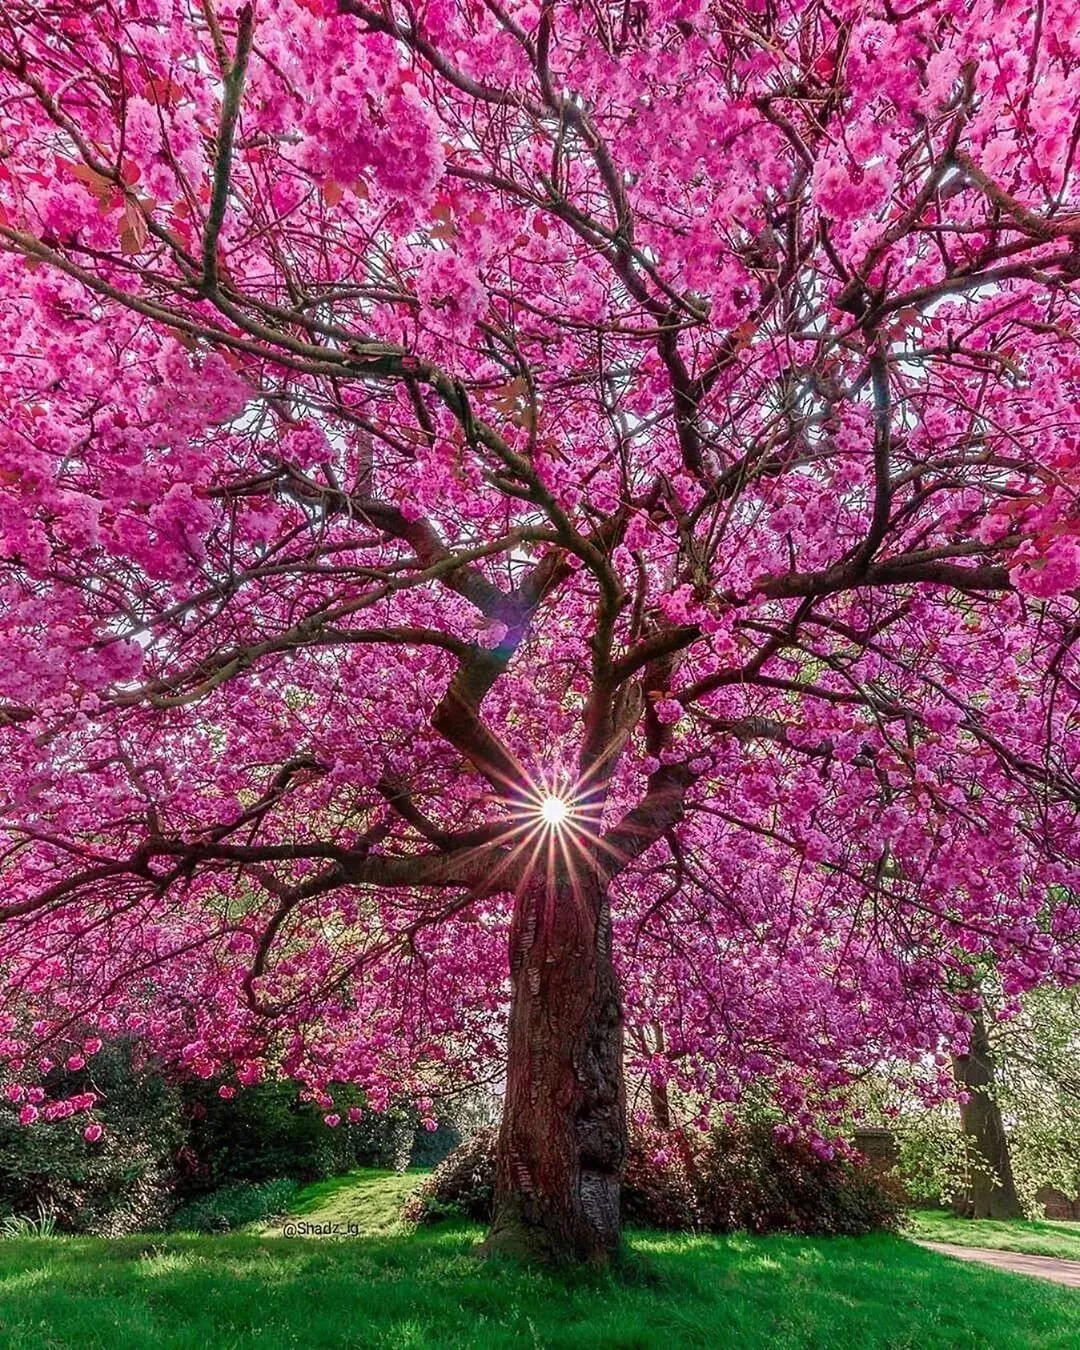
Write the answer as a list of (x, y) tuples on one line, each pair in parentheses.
[(461, 1187), (267, 1131), (120, 1183), (261, 1133), (233, 1206), (430, 1147), (386, 1138), (660, 1183), (755, 1179), (747, 1179), (933, 1163)]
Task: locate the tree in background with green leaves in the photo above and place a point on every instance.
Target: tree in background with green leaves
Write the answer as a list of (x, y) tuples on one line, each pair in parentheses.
[(1024, 1131)]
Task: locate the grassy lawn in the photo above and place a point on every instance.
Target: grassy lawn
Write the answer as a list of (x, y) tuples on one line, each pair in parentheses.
[(1040, 1237), (368, 1200), (393, 1288)]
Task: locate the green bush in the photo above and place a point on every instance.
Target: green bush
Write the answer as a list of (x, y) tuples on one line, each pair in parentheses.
[(233, 1206), (122, 1182), (267, 1131), (430, 1147), (261, 1133), (933, 1164)]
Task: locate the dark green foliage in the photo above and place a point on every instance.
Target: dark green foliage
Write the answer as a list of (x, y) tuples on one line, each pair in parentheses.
[(262, 1133), (233, 1206), (267, 1131), (120, 1184), (430, 1147), (385, 1139), (735, 1180)]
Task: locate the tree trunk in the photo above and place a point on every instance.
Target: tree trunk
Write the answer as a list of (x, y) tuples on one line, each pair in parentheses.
[(659, 1099), (563, 1139), (992, 1191)]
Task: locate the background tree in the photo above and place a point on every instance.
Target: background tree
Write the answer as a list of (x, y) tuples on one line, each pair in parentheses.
[(1037, 1052), (1035, 1089), (991, 1191), (593, 482)]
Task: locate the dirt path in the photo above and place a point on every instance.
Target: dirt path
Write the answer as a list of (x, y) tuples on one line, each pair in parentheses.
[(1022, 1263)]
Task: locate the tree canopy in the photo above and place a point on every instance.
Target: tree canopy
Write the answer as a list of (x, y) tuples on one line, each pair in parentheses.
[(414, 412)]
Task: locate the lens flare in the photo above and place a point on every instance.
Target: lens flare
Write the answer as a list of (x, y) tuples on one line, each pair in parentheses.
[(554, 811)]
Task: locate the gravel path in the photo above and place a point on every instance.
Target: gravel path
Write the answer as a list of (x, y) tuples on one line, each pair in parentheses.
[(1022, 1263)]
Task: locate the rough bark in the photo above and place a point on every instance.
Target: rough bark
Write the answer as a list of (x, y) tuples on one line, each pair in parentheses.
[(562, 1144), (991, 1192)]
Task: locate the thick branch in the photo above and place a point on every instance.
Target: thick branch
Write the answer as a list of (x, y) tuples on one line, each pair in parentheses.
[(230, 113), (661, 808)]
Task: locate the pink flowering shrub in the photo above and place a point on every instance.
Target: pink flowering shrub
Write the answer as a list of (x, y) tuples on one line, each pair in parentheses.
[(759, 1178), (751, 1178), (98, 1161), (461, 1187)]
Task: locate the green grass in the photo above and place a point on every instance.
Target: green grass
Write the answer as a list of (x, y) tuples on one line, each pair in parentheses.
[(368, 1200), (395, 1288), (1040, 1237)]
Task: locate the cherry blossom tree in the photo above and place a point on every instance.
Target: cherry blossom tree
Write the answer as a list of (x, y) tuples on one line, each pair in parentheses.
[(558, 510)]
